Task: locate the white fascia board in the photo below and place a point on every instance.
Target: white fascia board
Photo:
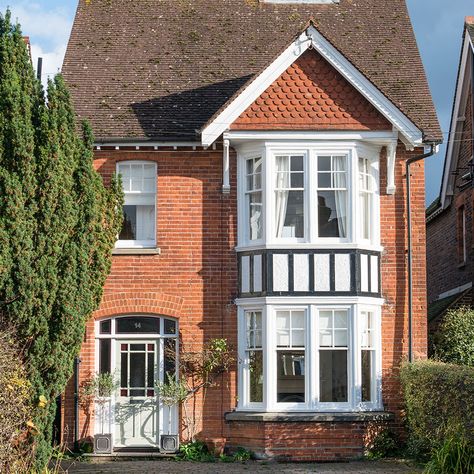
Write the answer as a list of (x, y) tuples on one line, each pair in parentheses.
[(467, 47), (311, 38), (377, 137)]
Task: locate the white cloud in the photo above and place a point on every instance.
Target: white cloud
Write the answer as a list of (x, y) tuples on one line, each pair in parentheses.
[(48, 27)]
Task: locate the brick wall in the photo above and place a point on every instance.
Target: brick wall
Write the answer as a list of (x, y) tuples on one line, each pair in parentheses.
[(194, 280), (444, 270)]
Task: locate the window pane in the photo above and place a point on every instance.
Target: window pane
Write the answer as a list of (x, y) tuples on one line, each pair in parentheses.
[(325, 338), (297, 338), (291, 376), (293, 217), (283, 338), (170, 358), (106, 326), (324, 163), (340, 319), (333, 383), (324, 180), (325, 319), (137, 369), (283, 319), (332, 209), (297, 180), (256, 376), (138, 325), (129, 226), (298, 319), (104, 355), (170, 326), (145, 226), (255, 215), (340, 338), (366, 376), (297, 163)]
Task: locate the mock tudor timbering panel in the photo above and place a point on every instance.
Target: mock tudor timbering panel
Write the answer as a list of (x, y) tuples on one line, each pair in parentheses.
[(309, 273)]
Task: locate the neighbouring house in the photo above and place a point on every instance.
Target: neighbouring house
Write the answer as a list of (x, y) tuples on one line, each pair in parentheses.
[(262, 147), (449, 222)]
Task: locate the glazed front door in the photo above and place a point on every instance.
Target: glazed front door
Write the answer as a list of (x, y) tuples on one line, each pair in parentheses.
[(136, 408)]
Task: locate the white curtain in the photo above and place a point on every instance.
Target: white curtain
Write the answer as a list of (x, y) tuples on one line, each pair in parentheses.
[(282, 182), (339, 164)]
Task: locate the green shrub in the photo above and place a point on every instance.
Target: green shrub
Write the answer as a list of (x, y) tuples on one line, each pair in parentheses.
[(383, 445), (454, 456), (195, 451), (454, 341), (242, 455), (439, 400)]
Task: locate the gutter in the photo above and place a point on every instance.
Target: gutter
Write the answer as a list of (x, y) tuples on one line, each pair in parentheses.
[(411, 160)]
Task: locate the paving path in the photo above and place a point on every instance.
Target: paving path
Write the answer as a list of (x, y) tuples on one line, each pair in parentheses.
[(175, 467)]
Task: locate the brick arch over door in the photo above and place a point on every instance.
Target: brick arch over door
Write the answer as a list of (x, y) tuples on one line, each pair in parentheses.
[(139, 302)]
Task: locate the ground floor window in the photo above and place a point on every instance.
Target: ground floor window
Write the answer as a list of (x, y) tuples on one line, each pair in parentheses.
[(310, 357)]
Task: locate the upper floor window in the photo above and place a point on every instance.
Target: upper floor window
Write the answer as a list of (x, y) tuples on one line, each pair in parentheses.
[(332, 196), (139, 207), (366, 198), (312, 194), (289, 196), (253, 197)]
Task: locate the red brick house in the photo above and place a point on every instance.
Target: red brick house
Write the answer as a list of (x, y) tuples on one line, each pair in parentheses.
[(262, 146), (449, 222)]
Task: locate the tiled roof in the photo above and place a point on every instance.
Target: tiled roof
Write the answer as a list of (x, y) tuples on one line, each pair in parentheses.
[(160, 69), (309, 94)]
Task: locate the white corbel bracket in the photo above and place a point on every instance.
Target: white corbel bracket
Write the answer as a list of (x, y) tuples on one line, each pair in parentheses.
[(391, 158), (225, 168)]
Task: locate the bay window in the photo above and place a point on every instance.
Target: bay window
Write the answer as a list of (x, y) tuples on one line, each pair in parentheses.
[(310, 357), (139, 207), (313, 194)]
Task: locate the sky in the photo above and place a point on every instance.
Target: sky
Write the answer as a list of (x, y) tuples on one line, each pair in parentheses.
[(438, 27)]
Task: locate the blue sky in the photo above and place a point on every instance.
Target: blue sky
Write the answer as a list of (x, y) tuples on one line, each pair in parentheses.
[(438, 27)]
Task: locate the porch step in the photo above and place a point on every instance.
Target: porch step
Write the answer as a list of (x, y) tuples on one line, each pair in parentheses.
[(126, 456)]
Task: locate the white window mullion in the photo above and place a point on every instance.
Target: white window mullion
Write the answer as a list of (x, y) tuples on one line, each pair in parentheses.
[(242, 366), (354, 217)]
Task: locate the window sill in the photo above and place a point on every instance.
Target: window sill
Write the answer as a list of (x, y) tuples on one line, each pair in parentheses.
[(136, 251), (320, 417)]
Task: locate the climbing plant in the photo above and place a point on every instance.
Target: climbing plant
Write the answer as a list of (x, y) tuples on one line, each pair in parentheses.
[(58, 224)]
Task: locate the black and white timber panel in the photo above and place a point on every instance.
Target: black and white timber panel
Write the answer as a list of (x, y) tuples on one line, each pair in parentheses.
[(309, 273)]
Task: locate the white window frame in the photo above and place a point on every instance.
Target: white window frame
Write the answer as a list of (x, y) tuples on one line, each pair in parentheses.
[(249, 193), (373, 193), (312, 403), (139, 243), (310, 150)]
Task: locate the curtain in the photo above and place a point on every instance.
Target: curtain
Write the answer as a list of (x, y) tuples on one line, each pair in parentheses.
[(339, 164), (282, 185)]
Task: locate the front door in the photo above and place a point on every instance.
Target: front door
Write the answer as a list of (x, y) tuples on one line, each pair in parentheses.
[(136, 410)]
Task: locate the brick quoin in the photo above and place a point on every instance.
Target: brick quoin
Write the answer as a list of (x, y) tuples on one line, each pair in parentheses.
[(194, 279)]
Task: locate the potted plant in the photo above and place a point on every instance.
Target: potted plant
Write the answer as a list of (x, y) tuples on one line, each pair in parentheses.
[(98, 390)]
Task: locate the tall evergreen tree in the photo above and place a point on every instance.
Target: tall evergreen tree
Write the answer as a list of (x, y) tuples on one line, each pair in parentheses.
[(58, 224)]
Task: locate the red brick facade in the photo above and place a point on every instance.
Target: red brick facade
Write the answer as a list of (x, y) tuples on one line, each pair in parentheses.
[(194, 279)]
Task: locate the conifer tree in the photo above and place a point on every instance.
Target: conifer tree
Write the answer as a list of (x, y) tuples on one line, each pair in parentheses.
[(58, 224)]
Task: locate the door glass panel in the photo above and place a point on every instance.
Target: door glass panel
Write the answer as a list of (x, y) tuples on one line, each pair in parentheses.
[(137, 347), (170, 358), (151, 369), (123, 369), (137, 369)]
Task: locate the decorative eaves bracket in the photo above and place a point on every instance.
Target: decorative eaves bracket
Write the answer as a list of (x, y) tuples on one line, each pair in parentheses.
[(391, 159)]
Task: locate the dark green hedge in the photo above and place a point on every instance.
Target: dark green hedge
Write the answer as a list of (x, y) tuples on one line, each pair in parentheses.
[(439, 400)]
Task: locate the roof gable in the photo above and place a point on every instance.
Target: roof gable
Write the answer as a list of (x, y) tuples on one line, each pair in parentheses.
[(464, 87), (310, 39), (311, 94)]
